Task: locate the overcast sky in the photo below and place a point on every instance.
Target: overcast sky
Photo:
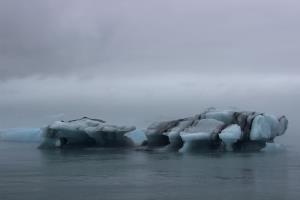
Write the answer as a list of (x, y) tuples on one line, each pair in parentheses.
[(137, 61)]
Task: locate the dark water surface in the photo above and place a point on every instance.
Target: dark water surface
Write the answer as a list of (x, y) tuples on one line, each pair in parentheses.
[(29, 173)]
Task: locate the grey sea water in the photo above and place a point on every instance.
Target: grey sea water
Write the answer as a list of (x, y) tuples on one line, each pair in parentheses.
[(29, 173)]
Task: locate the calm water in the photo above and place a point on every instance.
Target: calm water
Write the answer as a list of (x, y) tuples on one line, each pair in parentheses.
[(29, 173)]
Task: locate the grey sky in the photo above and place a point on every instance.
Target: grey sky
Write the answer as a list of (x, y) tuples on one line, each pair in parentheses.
[(135, 61), (61, 37)]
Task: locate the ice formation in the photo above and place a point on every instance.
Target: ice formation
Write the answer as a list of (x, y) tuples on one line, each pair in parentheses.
[(220, 130), (230, 135), (21, 135), (85, 132), (227, 130), (138, 137)]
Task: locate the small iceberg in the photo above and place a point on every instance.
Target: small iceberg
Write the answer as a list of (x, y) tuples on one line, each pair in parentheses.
[(85, 132), (28, 135)]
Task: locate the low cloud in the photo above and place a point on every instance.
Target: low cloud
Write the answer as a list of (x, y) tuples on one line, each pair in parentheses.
[(82, 38)]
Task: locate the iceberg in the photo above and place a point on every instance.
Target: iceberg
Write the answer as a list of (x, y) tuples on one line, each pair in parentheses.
[(32, 135), (227, 130), (85, 132), (217, 130)]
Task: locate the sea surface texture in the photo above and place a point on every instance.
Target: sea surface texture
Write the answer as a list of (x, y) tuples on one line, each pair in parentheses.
[(97, 173)]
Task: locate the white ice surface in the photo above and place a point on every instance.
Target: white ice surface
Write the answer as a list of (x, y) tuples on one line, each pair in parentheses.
[(88, 126), (230, 135), (205, 125), (265, 127), (195, 136), (189, 140), (225, 116)]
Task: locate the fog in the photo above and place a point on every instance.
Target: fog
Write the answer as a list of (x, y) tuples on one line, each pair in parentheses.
[(135, 61)]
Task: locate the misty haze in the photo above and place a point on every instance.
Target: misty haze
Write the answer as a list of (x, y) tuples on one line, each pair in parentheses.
[(157, 99)]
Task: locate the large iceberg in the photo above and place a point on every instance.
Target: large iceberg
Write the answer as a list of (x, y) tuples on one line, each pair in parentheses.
[(85, 132), (227, 130)]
